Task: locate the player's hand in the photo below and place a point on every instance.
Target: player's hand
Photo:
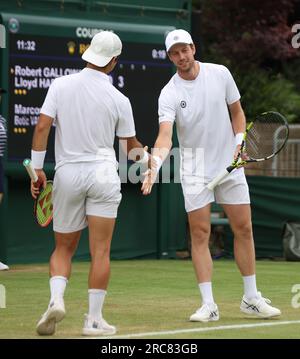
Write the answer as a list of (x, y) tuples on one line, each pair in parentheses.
[(35, 186), (150, 157), (150, 176), (237, 152)]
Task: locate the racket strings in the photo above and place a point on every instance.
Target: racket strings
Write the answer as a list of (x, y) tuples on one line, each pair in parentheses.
[(267, 136), (252, 143), (44, 207)]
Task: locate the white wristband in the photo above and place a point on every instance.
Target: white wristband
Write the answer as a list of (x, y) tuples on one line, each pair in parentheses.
[(239, 138), (144, 159), (158, 161), (38, 158)]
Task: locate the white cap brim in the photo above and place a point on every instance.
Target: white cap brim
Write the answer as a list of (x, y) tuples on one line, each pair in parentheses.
[(94, 59), (176, 43)]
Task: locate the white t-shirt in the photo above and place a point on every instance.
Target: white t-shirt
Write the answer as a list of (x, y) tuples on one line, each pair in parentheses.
[(88, 112), (199, 108)]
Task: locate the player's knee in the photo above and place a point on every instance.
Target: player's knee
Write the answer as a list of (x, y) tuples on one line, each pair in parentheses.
[(69, 246), (243, 230), (100, 252), (200, 235)]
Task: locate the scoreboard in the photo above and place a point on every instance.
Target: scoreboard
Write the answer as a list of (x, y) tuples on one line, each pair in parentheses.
[(36, 58)]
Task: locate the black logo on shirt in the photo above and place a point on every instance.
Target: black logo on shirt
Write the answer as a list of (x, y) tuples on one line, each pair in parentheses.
[(182, 104)]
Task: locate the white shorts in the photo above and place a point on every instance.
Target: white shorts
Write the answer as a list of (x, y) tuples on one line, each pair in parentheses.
[(81, 189), (233, 190)]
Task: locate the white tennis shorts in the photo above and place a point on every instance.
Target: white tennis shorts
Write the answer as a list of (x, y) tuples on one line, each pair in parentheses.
[(85, 188), (233, 190)]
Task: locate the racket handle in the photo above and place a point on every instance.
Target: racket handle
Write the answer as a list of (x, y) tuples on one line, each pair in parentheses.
[(27, 163), (217, 179)]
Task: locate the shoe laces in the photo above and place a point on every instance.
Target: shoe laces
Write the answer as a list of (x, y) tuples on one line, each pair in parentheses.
[(99, 323), (206, 307), (104, 323), (260, 297)]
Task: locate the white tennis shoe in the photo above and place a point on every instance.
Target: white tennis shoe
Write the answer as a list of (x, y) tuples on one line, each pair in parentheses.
[(54, 314), (207, 313), (3, 266), (94, 327), (259, 307)]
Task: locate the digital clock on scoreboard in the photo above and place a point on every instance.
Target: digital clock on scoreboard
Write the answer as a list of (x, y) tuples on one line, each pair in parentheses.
[(28, 45)]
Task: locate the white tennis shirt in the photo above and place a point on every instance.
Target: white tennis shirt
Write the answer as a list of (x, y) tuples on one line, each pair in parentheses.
[(88, 112), (199, 108)]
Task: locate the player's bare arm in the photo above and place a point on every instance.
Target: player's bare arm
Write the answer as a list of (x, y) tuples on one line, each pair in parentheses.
[(238, 123), (161, 150), (41, 133), (134, 149)]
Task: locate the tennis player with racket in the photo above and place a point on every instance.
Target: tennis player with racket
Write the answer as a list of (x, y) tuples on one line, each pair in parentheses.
[(88, 111), (199, 98)]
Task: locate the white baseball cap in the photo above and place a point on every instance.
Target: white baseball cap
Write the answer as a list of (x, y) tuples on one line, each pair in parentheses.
[(178, 37), (104, 46)]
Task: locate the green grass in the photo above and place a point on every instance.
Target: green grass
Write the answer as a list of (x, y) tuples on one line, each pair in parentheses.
[(150, 296)]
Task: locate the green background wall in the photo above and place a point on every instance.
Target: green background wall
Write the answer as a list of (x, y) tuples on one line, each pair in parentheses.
[(274, 201), (153, 226)]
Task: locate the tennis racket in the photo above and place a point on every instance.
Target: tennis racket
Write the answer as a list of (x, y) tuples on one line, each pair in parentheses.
[(264, 138), (43, 209)]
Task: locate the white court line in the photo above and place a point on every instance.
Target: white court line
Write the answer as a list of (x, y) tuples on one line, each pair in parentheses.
[(197, 330)]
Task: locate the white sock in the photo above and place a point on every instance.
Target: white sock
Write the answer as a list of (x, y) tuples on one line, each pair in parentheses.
[(250, 289), (57, 287), (96, 300), (206, 292)]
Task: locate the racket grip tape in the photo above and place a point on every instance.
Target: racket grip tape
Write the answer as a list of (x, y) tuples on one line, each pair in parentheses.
[(27, 163), (211, 185)]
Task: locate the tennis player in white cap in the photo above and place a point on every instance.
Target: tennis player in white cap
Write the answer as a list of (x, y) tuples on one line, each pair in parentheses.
[(88, 111), (204, 102)]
